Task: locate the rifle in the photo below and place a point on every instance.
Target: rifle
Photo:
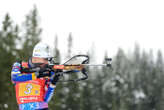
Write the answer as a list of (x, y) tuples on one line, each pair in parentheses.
[(76, 63)]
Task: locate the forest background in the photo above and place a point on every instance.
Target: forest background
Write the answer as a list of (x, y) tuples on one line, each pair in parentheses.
[(136, 82)]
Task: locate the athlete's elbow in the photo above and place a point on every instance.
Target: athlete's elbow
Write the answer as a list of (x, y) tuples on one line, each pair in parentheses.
[(14, 78)]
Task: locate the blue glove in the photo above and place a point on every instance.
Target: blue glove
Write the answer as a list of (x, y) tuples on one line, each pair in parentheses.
[(55, 79)]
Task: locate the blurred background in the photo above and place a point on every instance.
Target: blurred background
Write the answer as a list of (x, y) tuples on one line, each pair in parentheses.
[(130, 32)]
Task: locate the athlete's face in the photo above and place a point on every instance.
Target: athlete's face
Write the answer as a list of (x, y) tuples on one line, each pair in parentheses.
[(41, 61)]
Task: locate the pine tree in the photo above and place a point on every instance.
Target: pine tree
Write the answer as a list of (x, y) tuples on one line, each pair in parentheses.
[(133, 72), (157, 81), (31, 34), (106, 75), (100, 85), (8, 38), (70, 45), (86, 99), (145, 80), (73, 93), (119, 80), (56, 102), (87, 90), (56, 51)]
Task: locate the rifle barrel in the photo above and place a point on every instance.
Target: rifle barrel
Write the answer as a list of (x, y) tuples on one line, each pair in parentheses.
[(94, 64), (78, 66)]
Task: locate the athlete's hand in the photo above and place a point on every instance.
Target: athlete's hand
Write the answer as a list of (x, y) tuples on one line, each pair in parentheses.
[(43, 72), (55, 79)]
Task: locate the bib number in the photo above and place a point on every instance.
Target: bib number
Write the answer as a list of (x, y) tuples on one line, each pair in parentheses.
[(28, 89)]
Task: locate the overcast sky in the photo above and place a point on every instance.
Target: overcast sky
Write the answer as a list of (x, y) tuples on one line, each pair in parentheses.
[(108, 24)]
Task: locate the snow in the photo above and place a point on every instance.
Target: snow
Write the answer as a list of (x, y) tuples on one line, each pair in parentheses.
[(5, 106), (139, 94)]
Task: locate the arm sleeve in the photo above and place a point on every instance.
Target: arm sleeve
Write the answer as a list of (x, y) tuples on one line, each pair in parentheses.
[(17, 76), (49, 93)]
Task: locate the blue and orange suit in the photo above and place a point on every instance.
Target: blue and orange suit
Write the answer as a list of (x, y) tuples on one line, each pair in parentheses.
[(32, 93)]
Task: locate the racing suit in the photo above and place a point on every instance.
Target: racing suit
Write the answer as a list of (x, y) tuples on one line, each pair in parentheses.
[(32, 93)]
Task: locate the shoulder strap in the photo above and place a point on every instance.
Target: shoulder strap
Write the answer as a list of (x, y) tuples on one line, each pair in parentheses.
[(31, 65)]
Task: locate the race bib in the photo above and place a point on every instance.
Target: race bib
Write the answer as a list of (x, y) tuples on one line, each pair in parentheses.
[(30, 91)]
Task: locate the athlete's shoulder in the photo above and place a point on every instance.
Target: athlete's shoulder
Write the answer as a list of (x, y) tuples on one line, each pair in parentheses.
[(17, 63), (16, 68)]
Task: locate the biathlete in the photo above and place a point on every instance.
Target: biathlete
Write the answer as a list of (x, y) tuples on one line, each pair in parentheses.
[(34, 90)]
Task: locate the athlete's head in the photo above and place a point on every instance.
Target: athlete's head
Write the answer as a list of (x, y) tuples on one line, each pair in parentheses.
[(41, 54)]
